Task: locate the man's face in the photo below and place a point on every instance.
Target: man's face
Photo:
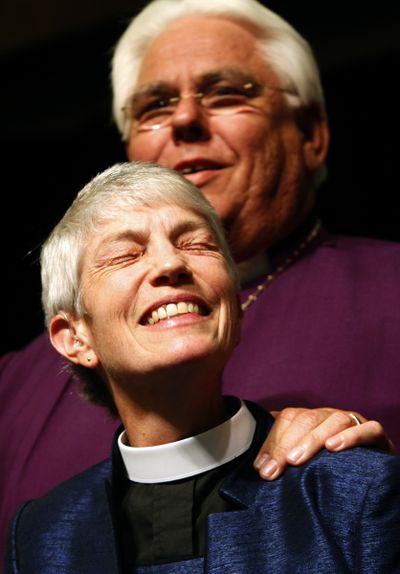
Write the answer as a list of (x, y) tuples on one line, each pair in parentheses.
[(252, 165), (157, 293)]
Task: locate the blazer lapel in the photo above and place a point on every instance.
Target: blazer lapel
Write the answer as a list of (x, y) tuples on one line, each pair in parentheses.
[(95, 536), (73, 528), (235, 538)]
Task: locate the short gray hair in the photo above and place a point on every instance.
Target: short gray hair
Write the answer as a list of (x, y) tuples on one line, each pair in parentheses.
[(284, 49)]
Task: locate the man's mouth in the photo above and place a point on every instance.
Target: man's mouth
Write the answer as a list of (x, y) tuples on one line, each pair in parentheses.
[(192, 169), (172, 310), (196, 166)]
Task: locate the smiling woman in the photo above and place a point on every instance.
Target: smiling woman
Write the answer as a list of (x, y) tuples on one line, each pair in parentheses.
[(138, 265), (140, 295)]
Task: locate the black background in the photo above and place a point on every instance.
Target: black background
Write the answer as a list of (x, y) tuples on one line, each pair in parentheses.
[(57, 130)]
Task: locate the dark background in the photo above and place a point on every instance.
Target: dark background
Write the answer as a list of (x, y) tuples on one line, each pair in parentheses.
[(57, 130)]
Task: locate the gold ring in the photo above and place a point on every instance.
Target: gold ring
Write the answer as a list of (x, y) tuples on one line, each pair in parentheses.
[(355, 418)]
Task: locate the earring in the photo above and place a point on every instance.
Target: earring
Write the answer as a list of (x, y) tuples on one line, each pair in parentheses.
[(88, 359)]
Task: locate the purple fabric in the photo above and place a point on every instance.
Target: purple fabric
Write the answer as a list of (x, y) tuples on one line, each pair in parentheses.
[(325, 333)]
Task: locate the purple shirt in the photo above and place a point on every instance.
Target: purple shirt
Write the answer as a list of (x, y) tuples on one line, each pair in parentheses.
[(325, 333)]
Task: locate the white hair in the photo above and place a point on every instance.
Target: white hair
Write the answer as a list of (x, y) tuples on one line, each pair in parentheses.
[(284, 49), (123, 186)]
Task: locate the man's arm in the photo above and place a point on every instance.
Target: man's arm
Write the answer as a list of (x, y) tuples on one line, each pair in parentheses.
[(298, 434)]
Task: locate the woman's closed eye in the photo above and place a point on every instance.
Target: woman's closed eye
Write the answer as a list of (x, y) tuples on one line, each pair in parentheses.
[(199, 246), (121, 259)]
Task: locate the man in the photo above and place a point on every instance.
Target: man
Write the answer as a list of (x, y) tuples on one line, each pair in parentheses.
[(140, 294), (319, 322), (209, 96)]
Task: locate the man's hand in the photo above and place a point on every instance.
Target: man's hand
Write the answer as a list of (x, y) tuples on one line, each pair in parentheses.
[(298, 434)]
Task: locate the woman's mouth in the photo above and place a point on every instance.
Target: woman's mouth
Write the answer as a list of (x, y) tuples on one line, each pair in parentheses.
[(172, 310)]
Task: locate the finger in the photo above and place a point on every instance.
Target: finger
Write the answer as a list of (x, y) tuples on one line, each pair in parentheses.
[(292, 425), (264, 462), (370, 433), (355, 418), (316, 439), (298, 434), (276, 435), (296, 427)]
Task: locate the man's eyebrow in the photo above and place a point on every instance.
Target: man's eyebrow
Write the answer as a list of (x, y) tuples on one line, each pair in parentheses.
[(207, 78), (226, 74), (153, 89)]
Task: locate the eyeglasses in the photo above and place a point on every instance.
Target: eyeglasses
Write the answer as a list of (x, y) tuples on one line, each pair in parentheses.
[(154, 111)]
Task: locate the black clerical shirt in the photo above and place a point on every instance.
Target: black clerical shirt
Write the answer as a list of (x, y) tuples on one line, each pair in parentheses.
[(166, 522)]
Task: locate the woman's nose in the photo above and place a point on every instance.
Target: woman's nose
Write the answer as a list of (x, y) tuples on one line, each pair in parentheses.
[(169, 268)]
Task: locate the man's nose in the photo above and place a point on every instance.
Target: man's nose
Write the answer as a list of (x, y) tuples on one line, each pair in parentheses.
[(190, 121), (169, 268)]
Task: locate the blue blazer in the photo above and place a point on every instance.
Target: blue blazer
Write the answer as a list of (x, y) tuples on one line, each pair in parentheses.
[(338, 513)]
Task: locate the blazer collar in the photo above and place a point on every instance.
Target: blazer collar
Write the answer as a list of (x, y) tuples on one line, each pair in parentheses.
[(241, 484)]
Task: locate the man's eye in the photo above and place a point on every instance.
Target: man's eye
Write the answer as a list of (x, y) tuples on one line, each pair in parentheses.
[(153, 107), (228, 91), (229, 94)]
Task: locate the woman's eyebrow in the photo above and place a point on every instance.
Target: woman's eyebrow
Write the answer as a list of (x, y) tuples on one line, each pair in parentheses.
[(124, 236), (191, 226)]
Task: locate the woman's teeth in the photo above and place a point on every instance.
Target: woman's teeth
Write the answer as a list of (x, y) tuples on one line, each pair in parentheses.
[(171, 310)]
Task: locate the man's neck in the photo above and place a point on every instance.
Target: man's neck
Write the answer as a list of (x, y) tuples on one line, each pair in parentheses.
[(261, 264), (251, 269)]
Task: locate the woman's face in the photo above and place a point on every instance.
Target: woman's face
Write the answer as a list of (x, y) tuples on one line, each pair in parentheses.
[(157, 293)]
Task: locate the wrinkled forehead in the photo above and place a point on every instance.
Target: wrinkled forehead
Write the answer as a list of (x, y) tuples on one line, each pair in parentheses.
[(145, 219), (193, 46)]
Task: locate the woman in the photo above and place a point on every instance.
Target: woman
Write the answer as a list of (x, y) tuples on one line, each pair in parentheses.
[(140, 294)]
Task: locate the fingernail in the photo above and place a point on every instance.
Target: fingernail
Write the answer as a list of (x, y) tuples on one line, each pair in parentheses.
[(335, 443), (296, 453), (260, 460), (269, 469)]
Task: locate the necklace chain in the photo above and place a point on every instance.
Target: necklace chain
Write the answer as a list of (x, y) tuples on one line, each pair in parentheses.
[(291, 258)]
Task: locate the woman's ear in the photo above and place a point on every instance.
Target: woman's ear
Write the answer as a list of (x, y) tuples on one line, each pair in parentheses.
[(68, 336)]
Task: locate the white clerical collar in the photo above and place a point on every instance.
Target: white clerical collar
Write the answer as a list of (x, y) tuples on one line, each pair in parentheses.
[(190, 456)]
